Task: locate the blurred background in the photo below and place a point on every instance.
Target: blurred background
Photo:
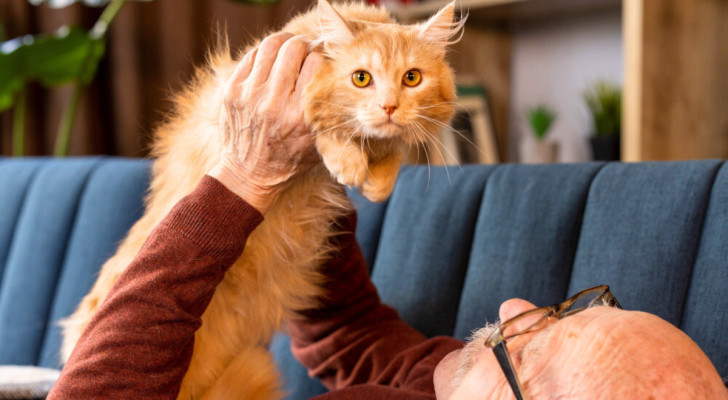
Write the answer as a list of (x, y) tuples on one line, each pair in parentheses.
[(540, 80)]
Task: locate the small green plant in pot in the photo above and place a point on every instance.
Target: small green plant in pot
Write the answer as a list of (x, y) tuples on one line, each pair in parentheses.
[(604, 100), (540, 119), (537, 149)]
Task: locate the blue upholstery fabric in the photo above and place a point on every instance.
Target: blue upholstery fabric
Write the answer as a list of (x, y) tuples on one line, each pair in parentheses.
[(445, 250), (528, 225), (640, 234), (425, 244), (110, 204), (705, 315), (73, 214), (35, 257)]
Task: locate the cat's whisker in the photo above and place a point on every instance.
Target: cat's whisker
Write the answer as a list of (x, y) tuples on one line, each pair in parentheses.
[(455, 104), (338, 105), (362, 150), (409, 132), (425, 139), (429, 164), (348, 121), (451, 129), (443, 104), (353, 134), (435, 143), (369, 147)]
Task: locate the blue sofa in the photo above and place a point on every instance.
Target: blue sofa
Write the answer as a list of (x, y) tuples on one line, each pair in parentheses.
[(446, 249)]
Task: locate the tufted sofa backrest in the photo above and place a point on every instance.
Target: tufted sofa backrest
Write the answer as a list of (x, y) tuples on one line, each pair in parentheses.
[(445, 250)]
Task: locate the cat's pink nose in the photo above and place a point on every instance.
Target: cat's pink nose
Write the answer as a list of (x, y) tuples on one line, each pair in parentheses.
[(389, 109)]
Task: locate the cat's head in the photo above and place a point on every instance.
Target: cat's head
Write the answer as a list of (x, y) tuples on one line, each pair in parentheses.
[(383, 79)]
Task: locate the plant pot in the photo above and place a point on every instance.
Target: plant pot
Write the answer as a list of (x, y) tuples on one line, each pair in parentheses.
[(605, 148), (534, 151)]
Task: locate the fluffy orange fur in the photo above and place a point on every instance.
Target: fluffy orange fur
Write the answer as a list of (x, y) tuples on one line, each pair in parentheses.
[(360, 146)]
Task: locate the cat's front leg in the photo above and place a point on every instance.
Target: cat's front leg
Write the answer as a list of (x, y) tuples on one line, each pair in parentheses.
[(382, 176), (343, 158)]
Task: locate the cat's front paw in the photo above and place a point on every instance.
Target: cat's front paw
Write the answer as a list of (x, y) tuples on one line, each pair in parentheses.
[(382, 176), (376, 192), (350, 169)]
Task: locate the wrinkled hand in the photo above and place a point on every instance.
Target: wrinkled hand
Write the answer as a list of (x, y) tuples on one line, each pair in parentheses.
[(266, 141)]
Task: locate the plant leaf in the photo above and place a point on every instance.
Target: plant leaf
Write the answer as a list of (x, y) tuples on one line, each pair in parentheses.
[(11, 81), (65, 3), (540, 118), (68, 56), (604, 100)]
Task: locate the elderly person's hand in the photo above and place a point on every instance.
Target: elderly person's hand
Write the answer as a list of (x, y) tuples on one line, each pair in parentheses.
[(266, 142)]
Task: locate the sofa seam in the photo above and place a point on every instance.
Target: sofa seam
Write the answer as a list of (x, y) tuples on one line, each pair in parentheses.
[(699, 240), (580, 228), (466, 272)]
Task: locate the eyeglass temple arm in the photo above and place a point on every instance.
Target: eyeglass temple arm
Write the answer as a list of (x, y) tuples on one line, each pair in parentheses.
[(501, 354)]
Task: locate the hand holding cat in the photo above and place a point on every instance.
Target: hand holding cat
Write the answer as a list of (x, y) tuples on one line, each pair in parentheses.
[(265, 140)]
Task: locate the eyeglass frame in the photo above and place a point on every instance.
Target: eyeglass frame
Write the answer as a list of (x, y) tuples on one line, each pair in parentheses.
[(497, 341)]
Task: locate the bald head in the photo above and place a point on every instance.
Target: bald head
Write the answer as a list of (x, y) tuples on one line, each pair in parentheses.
[(607, 353), (601, 353)]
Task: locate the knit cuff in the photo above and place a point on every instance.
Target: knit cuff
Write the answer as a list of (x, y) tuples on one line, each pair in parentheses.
[(215, 219)]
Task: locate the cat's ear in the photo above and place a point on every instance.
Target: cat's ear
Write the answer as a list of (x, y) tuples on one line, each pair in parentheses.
[(334, 28), (441, 28)]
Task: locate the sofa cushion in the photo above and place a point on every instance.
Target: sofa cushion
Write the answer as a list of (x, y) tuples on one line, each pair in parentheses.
[(73, 213)]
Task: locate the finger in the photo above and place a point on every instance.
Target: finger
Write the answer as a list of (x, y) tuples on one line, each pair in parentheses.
[(244, 67), (240, 73), (511, 308), (310, 67), (287, 66), (266, 56)]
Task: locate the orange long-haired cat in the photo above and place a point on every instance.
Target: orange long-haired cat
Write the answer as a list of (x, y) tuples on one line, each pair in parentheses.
[(382, 86)]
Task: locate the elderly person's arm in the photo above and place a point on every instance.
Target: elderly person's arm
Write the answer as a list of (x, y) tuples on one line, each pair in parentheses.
[(140, 342), (354, 339)]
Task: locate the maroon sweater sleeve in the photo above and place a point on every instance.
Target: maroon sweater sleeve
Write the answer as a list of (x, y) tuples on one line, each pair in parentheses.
[(139, 343), (356, 343)]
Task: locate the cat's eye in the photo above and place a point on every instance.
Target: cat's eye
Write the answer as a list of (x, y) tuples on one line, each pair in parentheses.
[(412, 78), (361, 78)]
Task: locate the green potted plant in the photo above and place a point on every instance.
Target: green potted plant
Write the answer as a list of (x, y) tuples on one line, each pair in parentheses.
[(604, 100), (69, 57), (536, 148)]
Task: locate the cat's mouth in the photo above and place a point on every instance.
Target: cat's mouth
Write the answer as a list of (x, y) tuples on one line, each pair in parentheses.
[(387, 129)]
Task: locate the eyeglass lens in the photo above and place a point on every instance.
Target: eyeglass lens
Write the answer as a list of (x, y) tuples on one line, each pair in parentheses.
[(537, 319), (529, 321)]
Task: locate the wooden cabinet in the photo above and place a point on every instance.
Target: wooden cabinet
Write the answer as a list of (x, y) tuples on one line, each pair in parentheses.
[(676, 80)]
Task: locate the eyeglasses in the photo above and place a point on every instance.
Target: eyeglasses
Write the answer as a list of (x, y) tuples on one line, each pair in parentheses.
[(537, 319)]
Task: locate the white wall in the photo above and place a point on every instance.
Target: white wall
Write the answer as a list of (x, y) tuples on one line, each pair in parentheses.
[(553, 63)]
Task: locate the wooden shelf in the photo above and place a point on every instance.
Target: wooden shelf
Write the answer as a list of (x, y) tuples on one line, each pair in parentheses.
[(505, 11)]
